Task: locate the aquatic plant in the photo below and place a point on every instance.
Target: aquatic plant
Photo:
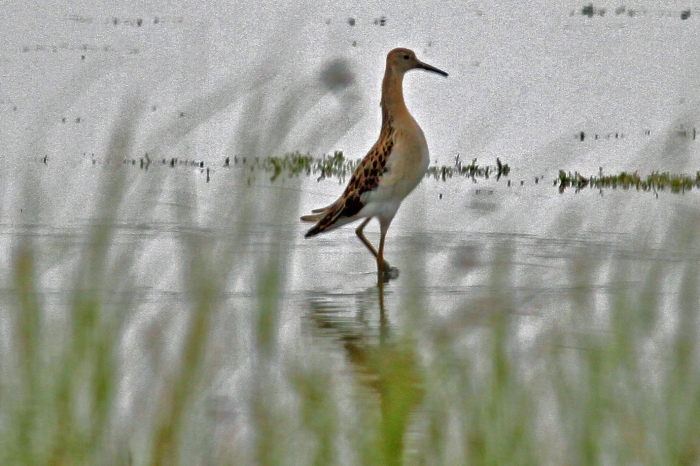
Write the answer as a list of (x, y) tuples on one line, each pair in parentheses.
[(326, 166), (654, 182)]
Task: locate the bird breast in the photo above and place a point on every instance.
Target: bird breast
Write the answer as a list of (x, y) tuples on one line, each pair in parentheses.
[(407, 162)]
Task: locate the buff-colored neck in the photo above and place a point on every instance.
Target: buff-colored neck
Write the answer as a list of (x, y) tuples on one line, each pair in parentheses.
[(393, 104)]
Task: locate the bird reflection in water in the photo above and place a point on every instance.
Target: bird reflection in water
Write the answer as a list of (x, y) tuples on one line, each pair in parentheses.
[(384, 363)]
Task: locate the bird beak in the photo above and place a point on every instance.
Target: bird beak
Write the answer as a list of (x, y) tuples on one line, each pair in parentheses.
[(425, 66)]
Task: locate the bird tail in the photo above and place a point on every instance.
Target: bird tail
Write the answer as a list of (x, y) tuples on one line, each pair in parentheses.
[(327, 218), (315, 217), (322, 209), (317, 214)]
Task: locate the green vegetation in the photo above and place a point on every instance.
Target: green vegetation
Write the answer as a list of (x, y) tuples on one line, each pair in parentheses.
[(326, 166), (654, 182), (336, 166), (589, 10), (612, 378), (211, 371), (472, 170)]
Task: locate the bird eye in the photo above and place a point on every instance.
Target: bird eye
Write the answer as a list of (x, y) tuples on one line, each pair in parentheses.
[(406, 57)]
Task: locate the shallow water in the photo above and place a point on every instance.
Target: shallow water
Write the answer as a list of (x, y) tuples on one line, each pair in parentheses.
[(508, 275), (458, 254)]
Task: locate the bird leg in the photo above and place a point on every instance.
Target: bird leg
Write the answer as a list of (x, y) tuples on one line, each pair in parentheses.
[(361, 235), (382, 267), (385, 272)]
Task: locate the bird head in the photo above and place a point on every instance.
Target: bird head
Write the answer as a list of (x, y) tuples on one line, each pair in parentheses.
[(401, 60)]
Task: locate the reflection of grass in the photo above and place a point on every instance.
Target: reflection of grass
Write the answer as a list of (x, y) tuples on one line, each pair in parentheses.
[(653, 182)]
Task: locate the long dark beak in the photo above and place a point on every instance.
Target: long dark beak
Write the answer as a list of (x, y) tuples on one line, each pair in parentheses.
[(425, 66)]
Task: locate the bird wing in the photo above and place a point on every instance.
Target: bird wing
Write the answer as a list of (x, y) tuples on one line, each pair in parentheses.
[(365, 178)]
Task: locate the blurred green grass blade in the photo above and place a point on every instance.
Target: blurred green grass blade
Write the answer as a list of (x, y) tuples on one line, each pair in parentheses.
[(28, 337)]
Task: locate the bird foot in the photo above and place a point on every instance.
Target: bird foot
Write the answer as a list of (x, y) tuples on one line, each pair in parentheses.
[(388, 273)]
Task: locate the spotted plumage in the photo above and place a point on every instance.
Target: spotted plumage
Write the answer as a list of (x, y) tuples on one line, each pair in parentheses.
[(365, 178), (390, 171)]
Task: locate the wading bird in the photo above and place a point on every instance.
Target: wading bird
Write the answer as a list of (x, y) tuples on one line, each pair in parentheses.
[(393, 167)]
